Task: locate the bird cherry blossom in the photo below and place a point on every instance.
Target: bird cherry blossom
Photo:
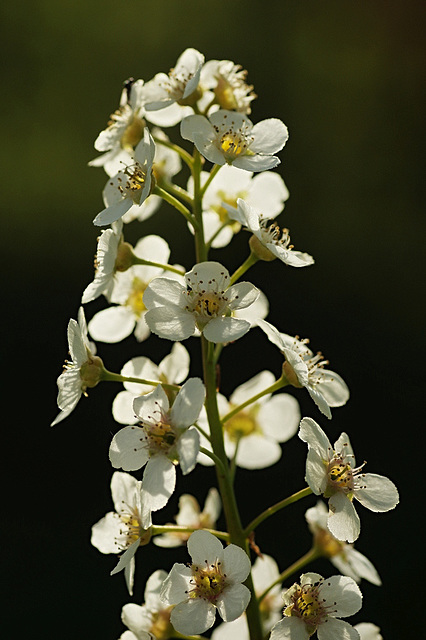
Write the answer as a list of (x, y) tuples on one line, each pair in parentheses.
[(191, 516), (206, 303), (332, 471), (152, 619), (304, 369), (164, 438), (269, 241), (177, 89), (173, 369), (265, 190), (129, 186), (212, 581), (316, 604), (121, 530), (227, 81), (128, 311), (256, 431), (343, 556), (368, 631), (83, 372), (230, 137)]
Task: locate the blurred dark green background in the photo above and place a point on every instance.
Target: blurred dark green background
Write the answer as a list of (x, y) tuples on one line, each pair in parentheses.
[(348, 80)]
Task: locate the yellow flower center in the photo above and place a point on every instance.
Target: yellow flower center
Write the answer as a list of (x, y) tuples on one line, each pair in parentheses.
[(233, 145), (135, 299), (133, 133), (340, 475), (327, 543), (208, 583), (242, 424), (161, 626)]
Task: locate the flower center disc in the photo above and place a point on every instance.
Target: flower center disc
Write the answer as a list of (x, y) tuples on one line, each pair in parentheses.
[(209, 583)]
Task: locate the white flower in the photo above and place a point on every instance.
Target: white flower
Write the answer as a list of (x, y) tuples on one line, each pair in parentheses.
[(230, 137), (178, 88), (117, 322), (264, 572), (190, 515), (173, 369), (265, 190), (227, 81), (82, 372), (315, 605), (304, 369), (131, 185), (163, 440), (259, 428), (331, 471), (213, 581), (268, 235), (105, 263), (207, 303), (152, 619), (124, 131), (368, 631), (121, 530), (345, 558)]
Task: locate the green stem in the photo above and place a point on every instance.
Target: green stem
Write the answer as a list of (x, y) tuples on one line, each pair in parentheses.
[(176, 190), (158, 191), (109, 376), (165, 267), (310, 556), (174, 528), (278, 384), (276, 507), (218, 462), (251, 260), (212, 174), (197, 210)]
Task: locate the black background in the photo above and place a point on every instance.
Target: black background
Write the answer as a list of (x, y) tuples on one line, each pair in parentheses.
[(348, 80)]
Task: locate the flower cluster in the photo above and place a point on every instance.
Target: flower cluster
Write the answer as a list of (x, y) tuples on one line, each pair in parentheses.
[(167, 418)]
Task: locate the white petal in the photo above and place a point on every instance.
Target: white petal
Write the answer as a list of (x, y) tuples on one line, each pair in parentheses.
[(256, 163), (127, 450), (242, 295), (256, 452), (333, 388), (153, 588), (171, 323), (196, 124), (289, 629), (135, 618), (361, 566), (236, 563), (148, 406), (175, 587), (187, 406), (123, 490), (193, 616), (188, 447), (311, 433), (316, 474), (319, 400), (333, 629), (343, 520), (342, 594), (368, 631), (233, 602), (377, 493), (204, 547), (140, 367), (163, 292), (104, 533), (279, 417), (112, 324), (158, 484), (223, 330), (175, 366), (113, 212), (269, 136), (126, 558), (252, 387)]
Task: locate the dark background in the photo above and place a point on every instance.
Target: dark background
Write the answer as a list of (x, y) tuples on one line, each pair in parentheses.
[(348, 80)]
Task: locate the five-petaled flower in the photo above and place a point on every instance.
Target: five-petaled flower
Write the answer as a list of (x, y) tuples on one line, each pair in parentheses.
[(131, 185), (304, 369), (82, 372), (206, 303), (121, 530), (212, 581), (332, 471), (230, 137), (269, 240), (316, 604), (164, 438)]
